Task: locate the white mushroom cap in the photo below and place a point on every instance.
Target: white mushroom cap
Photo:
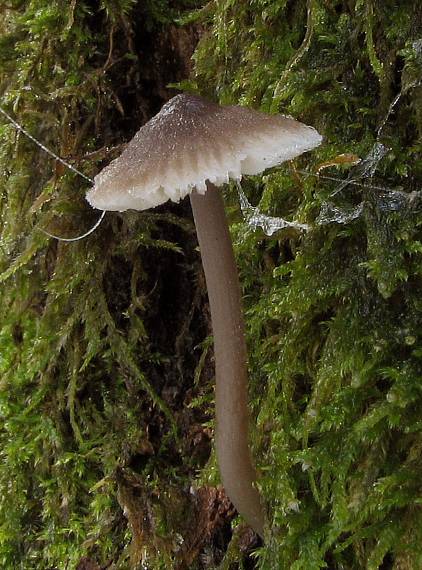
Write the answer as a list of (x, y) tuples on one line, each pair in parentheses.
[(191, 141)]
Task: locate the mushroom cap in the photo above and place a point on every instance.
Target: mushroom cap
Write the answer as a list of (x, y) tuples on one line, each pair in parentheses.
[(192, 141)]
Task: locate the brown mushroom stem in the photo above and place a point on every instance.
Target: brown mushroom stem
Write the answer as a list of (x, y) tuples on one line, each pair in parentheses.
[(231, 393)]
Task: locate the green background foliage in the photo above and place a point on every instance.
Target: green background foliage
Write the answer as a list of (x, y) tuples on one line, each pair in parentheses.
[(105, 361)]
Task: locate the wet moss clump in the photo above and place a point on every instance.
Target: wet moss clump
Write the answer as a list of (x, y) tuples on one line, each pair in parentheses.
[(99, 338), (106, 366), (333, 314)]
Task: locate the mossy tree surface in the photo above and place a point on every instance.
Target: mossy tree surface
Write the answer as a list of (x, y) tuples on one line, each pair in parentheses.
[(334, 316), (104, 401), (97, 337)]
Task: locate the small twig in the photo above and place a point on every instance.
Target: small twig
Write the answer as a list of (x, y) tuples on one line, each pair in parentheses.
[(110, 50)]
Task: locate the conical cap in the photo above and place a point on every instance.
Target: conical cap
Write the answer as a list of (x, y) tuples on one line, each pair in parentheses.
[(191, 141)]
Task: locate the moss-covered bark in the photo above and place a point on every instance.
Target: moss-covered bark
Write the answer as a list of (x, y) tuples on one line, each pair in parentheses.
[(106, 376), (97, 336), (334, 315)]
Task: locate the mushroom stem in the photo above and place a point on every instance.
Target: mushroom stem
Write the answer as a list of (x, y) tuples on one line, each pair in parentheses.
[(231, 393)]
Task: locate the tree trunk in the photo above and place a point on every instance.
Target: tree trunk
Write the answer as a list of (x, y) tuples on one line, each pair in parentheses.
[(106, 371)]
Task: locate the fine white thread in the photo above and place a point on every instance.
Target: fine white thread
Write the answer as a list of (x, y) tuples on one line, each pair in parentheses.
[(44, 148), (67, 165)]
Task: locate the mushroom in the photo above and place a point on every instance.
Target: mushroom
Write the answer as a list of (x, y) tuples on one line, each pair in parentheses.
[(193, 146)]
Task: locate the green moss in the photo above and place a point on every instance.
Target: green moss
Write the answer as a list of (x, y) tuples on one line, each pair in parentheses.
[(106, 387), (84, 368), (334, 316)]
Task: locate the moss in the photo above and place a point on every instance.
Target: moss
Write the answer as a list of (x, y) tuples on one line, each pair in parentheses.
[(89, 397), (334, 316), (106, 394)]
